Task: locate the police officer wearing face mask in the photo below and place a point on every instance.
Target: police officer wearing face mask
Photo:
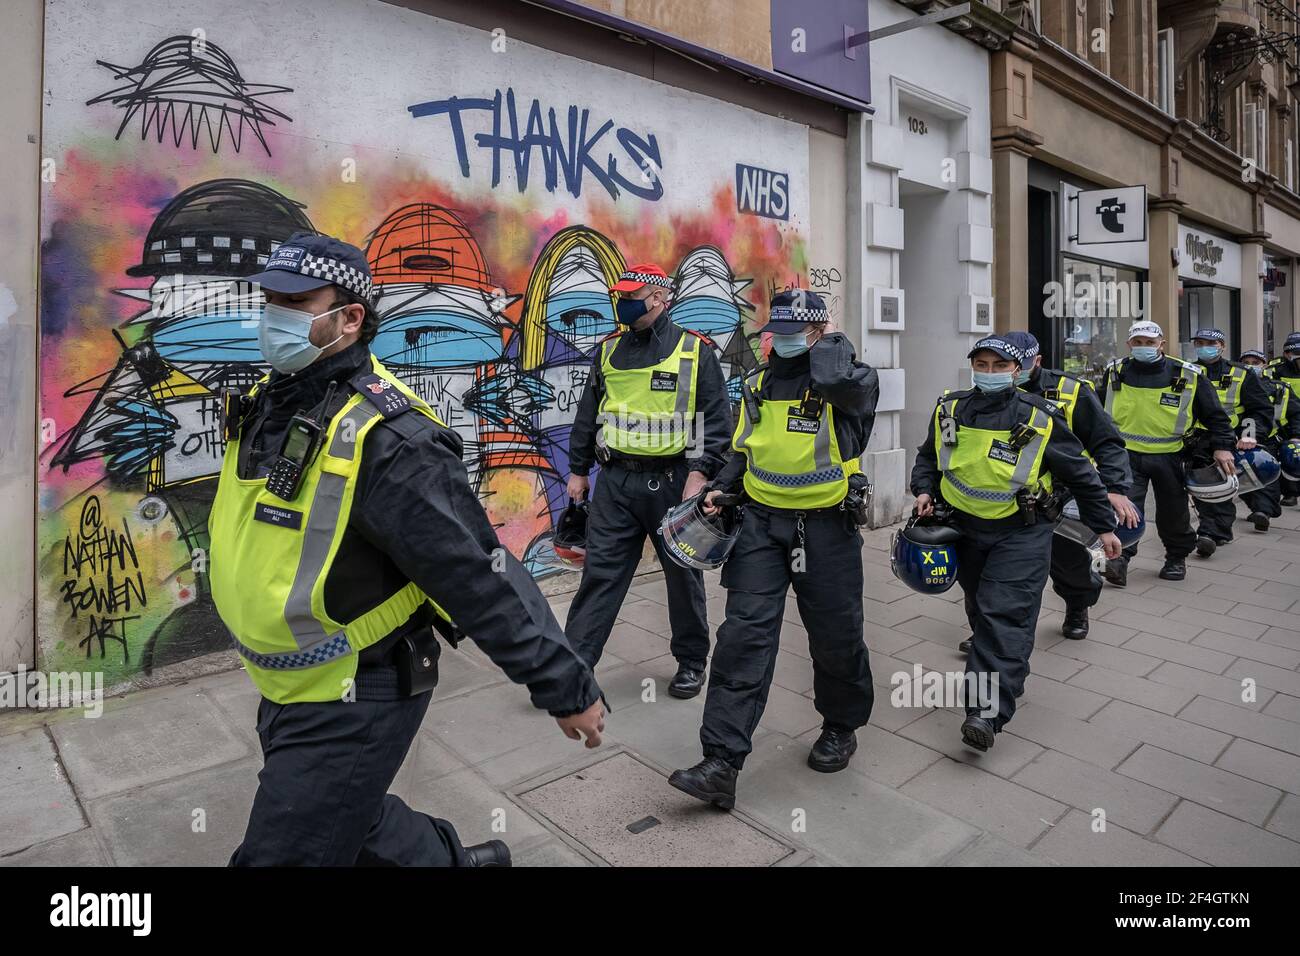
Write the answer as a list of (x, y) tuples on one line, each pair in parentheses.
[(655, 413), (1266, 502), (1155, 401), (1073, 577), (1286, 369), (344, 533), (805, 420), (1249, 412), (994, 454)]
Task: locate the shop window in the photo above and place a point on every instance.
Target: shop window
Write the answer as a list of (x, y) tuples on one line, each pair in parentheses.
[(1100, 301)]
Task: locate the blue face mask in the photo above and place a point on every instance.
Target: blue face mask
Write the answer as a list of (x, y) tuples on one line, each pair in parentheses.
[(1024, 376), (1257, 369), (1207, 353), (284, 337), (1145, 353), (791, 344), (629, 310), (993, 381)]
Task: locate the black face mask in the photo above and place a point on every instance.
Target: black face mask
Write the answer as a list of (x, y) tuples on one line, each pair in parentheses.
[(629, 310)]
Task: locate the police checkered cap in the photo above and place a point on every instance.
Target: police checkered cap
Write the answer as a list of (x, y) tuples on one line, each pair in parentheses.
[(1211, 335), (1254, 353), (794, 308), (1024, 341), (306, 261), (1149, 329), (646, 273), (998, 344), (1292, 343)]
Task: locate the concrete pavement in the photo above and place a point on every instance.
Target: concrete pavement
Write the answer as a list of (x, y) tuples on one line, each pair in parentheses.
[(1134, 747)]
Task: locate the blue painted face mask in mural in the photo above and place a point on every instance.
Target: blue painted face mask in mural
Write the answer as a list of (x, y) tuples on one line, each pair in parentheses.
[(790, 344), (284, 336)]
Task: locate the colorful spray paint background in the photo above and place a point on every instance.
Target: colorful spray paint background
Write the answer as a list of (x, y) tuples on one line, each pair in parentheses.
[(489, 308)]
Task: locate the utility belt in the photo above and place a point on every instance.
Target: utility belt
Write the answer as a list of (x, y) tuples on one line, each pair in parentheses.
[(642, 465)]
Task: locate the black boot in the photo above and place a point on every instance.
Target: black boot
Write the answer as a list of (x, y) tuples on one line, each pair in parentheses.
[(964, 646), (1075, 625), (1290, 501), (491, 853), (687, 682), (1205, 547), (1259, 520), (1175, 569), (833, 749), (712, 780), (977, 732), (1117, 572)]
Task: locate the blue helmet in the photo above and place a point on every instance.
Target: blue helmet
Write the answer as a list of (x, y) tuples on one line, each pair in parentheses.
[(1291, 459), (697, 540), (1208, 483), (1129, 537), (922, 556), (1255, 469)]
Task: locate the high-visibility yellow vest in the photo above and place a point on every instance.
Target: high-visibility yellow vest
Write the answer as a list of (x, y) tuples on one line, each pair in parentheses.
[(981, 469), (649, 411), (270, 559), (1152, 420), (792, 459), (1276, 372), (1065, 396), (1228, 389), (1280, 397)]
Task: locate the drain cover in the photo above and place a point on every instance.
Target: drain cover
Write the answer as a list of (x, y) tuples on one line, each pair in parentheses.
[(626, 813)]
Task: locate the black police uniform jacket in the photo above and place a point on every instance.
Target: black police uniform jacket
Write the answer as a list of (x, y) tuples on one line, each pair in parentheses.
[(1095, 430), (831, 369), (415, 518), (641, 348), (1063, 456)]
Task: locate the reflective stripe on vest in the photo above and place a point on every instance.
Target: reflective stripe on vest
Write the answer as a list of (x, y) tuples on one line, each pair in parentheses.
[(1230, 394), (972, 458), (268, 576), (788, 468), (1274, 371), (639, 419), (1139, 412)]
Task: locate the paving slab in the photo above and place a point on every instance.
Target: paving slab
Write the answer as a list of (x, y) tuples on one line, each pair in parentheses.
[(1074, 841), (849, 819), (1168, 733), (940, 731), (1208, 786), (1127, 802), (1270, 731), (1286, 818), (1221, 840), (1264, 764), (990, 851), (159, 736), (1069, 735), (37, 803), (1007, 810), (1254, 650), (74, 850)]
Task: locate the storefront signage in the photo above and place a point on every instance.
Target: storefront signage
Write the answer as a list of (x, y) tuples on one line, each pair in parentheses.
[(1111, 215), (1208, 258)]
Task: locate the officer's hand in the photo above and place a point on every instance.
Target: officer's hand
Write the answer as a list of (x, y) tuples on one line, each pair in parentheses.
[(1246, 444), (695, 483), (590, 724), (924, 506), (578, 485), (1227, 464), (712, 496), (1111, 545), (1125, 510)]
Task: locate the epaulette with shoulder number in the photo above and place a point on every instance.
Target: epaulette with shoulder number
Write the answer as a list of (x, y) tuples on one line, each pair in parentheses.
[(701, 336), (387, 398)]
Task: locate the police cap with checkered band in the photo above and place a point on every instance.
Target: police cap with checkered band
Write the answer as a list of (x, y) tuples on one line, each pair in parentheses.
[(304, 262), (792, 311)]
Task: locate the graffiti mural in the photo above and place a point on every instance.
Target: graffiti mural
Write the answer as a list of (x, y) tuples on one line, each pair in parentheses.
[(491, 281)]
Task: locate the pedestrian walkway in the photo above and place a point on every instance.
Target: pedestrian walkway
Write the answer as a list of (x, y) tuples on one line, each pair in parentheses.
[(1131, 748)]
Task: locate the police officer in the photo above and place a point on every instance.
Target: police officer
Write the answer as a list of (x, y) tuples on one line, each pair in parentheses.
[(1073, 577), (655, 412), (1266, 503), (1286, 369), (993, 454), (805, 419), (344, 531), (1249, 412), (1154, 401)]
